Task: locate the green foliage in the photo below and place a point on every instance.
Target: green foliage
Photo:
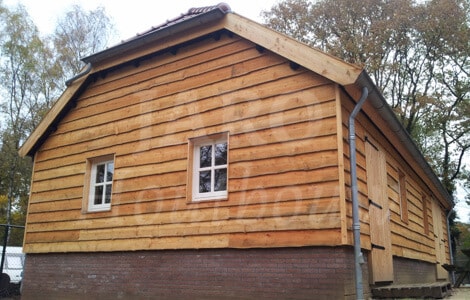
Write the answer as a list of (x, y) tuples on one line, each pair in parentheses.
[(465, 235)]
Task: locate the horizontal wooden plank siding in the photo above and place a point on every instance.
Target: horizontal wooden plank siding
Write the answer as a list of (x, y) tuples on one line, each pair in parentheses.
[(411, 220), (283, 159)]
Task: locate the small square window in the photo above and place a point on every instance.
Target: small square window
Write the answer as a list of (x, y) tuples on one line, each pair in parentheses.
[(209, 167), (101, 173)]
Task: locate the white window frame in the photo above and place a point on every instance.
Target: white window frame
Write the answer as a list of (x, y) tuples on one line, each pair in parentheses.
[(197, 144), (93, 166)]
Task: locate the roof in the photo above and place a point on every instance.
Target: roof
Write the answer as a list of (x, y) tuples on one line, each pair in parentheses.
[(192, 12), (196, 15), (201, 21)]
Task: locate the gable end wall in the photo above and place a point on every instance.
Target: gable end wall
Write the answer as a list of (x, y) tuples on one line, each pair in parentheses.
[(283, 170)]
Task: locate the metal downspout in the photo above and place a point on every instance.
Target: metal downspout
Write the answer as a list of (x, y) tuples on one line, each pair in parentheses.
[(452, 274), (358, 258)]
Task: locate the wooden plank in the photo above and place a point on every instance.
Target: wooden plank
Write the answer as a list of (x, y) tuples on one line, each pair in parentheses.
[(285, 179), (194, 242), (213, 227), (300, 191), (73, 181), (171, 217), (240, 152), (439, 240), (57, 195), (297, 238), (303, 162), (315, 60), (379, 213), (425, 214), (53, 236), (323, 131), (159, 168), (297, 207), (150, 182), (403, 196), (56, 172), (168, 199), (151, 194), (410, 239), (413, 254), (53, 206), (341, 165), (155, 155)]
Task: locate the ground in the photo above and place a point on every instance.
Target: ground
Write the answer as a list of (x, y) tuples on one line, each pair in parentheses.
[(460, 293)]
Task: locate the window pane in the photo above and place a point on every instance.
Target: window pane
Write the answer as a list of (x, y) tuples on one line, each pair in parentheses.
[(98, 195), (221, 154), (220, 180), (110, 171), (99, 173), (204, 181), (107, 198), (205, 156)]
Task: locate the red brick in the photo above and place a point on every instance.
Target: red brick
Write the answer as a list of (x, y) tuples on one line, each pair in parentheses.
[(294, 273)]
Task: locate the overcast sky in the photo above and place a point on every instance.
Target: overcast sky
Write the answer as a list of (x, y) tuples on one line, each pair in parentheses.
[(134, 16)]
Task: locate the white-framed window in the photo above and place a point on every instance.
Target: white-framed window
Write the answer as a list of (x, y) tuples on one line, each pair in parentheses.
[(210, 168), (100, 188)]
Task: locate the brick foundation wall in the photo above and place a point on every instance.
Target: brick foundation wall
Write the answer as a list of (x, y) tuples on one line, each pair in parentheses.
[(413, 271), (294, 273)]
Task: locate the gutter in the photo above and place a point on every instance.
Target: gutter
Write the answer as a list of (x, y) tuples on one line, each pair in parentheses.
[(358, 258)]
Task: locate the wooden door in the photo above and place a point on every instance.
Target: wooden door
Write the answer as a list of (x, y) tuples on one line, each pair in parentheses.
[(439, 240), (381, 260)]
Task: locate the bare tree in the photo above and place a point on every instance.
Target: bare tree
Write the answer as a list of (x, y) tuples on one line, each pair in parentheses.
[(78, 34)]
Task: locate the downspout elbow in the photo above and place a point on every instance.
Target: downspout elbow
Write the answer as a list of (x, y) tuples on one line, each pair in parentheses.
[(79, 75)]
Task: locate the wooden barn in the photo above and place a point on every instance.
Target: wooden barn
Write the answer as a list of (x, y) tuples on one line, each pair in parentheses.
[(209, 158)]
